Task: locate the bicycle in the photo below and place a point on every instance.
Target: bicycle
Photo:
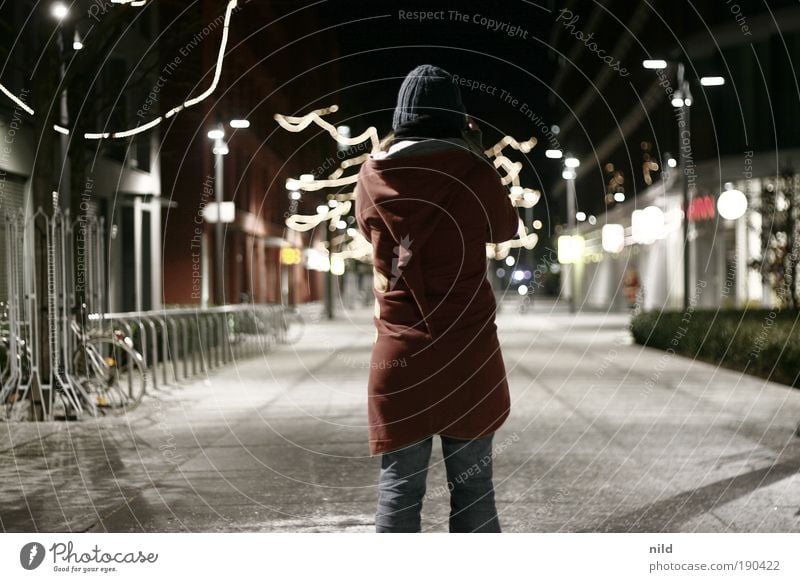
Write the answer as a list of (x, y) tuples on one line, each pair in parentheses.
[(15, 362), (109, 371)]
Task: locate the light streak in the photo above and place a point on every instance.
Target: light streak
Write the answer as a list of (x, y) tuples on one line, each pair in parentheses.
[(305, 222), (359, 247), (298, 124)]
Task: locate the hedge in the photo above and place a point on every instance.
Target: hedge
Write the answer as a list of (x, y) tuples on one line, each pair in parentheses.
[(761, 342)]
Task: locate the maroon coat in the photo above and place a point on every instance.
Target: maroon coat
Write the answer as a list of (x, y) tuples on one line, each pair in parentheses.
[(436, 365)]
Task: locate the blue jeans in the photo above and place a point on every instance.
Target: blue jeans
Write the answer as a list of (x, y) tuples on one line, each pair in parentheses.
[(401, 486)]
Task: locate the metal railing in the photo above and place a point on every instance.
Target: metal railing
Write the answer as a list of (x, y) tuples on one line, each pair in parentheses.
[(61, 353), (182, 343)]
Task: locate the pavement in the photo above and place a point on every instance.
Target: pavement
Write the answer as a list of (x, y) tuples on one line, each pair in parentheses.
[(603, 436)]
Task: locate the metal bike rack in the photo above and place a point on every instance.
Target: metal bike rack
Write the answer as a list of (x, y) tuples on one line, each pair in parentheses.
[(48, 251)]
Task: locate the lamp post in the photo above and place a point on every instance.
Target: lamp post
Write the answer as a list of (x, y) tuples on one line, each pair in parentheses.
[(60, 11), (220, 150), (569, 174), (682, 99), (330, 280)]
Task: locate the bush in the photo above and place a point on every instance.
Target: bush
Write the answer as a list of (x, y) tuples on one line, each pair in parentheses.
[(757, 341)]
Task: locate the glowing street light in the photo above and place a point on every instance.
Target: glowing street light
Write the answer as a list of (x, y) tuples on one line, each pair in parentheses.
[(654, 64), (647, 226), (239, 123), (570, 249), (712, 81), (572, 162), (613, 236), (731, 204), (553, 154), (59, 10), (216, 133)]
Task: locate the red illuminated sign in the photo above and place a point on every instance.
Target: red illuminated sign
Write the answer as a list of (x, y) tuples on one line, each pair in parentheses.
[(702, 208)]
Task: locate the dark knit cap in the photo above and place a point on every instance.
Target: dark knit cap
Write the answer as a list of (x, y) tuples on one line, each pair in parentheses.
[(429, 90)]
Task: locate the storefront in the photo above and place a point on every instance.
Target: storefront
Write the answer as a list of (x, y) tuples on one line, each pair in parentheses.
[(634, 253)]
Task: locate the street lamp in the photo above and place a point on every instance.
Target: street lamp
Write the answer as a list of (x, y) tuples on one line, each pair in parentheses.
[(220, 149), (569, 174), (223, 210), (682, 99), (59, 10), (731, 204), (712, 81)]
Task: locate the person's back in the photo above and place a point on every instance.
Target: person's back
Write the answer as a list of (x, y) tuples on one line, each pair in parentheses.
[(439, 205), (429, 206)]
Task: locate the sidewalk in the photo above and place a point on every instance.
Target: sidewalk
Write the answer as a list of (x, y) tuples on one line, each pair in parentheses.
[(603, 436)]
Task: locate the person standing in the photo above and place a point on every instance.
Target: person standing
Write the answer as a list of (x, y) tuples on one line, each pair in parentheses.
[(429, 204)]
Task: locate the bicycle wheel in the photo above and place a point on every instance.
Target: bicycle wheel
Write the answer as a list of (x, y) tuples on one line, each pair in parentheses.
[(111, 374)]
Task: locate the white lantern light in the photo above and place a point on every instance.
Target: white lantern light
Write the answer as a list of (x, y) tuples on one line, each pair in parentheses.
[(337, 265), (647, 226), (570, 249), (613, 238), (731, 204), (655, 220)]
